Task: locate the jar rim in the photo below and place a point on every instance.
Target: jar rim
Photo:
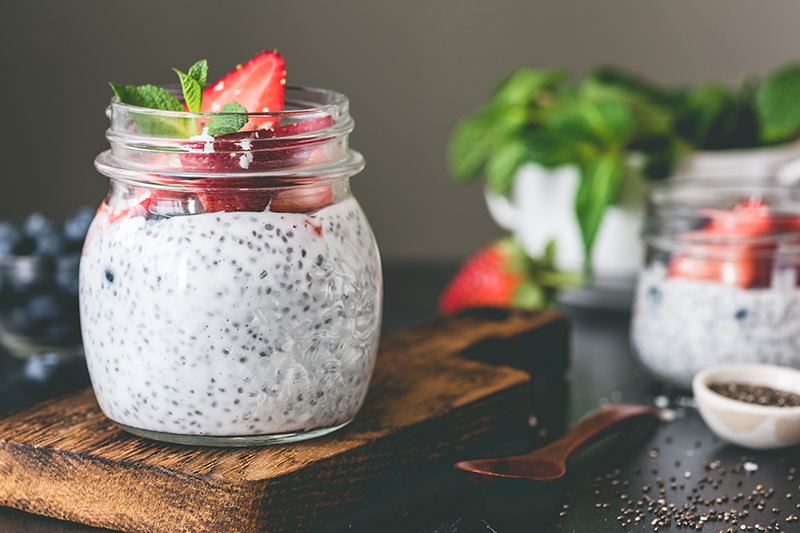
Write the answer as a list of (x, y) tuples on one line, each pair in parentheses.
[(307, 140), (678, 212), (336, 100)]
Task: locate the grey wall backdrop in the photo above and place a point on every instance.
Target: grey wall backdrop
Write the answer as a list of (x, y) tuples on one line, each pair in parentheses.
[(411, 68)]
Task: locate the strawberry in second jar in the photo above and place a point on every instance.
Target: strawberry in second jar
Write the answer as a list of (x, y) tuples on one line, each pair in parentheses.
[(746, 264)]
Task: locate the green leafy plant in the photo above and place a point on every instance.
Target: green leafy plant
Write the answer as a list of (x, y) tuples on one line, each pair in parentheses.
[(535, 115)]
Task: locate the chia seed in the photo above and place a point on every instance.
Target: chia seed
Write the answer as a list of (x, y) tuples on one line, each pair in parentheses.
[(755, 394)]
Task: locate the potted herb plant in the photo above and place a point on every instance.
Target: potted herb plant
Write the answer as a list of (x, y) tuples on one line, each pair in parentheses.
[(570, 163)]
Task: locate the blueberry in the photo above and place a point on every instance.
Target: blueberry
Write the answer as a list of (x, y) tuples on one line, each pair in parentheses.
[(741, 314), (654, 295), (11, 238), (50, 242), (109, 276), (77, 224), (67, 273), (42, 368), (44, 307), (37, 223), (28, 272)]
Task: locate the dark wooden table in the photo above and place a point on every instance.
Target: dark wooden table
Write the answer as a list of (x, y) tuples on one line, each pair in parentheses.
[(618, 480)]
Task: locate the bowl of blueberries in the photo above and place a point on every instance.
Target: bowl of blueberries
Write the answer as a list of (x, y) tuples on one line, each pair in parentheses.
[(39, 284)]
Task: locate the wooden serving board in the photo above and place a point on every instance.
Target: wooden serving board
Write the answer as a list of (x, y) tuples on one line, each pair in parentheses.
[(432, 400)]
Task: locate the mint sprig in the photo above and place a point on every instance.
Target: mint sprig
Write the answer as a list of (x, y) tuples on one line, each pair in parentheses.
[(229, 121), (148, 96), (192, 84)]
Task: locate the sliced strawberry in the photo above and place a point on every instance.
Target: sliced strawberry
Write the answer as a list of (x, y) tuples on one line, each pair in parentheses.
[(137, 206), (153, 202), (733, 265), (751, 217), (258, 85), (254, 151), (302, 199), (742, 265), (230, 194)]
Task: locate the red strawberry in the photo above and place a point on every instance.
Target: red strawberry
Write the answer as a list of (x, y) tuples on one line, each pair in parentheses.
[(258, 85), (302, 199), (153, 202), (254, 151), (750, 217), (495, 276), (732, 264)]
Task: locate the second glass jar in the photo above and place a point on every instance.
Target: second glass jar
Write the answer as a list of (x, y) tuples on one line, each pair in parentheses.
[(721, 281)]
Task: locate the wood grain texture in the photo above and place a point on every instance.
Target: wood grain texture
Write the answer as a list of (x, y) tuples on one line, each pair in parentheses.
[(427, 406)]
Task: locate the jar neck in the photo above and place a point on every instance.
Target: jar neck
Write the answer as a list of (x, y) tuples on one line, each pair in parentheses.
[(724, 217), (305, 143)]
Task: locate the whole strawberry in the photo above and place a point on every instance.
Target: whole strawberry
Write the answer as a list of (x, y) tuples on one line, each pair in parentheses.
[(503, 275)]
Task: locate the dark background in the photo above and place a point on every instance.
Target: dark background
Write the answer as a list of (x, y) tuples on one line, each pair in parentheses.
[(411, 69)]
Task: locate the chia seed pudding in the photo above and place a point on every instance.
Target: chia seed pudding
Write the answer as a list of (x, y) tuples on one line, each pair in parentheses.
[(240, 323), (721, 283), (230, 284), (681, 326)]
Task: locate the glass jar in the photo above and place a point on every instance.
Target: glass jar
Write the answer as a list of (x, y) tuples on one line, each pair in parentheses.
[(230, 287), (720, 280)]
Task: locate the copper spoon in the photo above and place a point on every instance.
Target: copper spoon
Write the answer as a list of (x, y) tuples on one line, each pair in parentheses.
[(549, 464)]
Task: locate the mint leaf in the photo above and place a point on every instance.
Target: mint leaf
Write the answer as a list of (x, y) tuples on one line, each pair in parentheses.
[(475, 139), (148, 96), (778, 105), (199, 72), (600, 182), (632, 84), (192, 91), (524, 85), (604, 120), (193, 84), (228, 123), (502, 166), (152, 97)]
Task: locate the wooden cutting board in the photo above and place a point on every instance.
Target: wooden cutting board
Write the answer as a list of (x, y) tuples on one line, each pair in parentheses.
[(433, 398)]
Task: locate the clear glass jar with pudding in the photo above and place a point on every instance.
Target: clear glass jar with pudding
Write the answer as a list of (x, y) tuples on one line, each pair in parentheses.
[(720, 283), (230, 287)]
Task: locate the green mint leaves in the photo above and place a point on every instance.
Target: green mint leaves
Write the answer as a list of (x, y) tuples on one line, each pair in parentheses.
[(192, 84), (148, 96), (778, 104), (229, 121), (152, 97)]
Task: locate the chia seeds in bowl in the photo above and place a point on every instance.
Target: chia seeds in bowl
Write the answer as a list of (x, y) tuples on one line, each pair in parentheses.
[(720, 283), (232, 304)]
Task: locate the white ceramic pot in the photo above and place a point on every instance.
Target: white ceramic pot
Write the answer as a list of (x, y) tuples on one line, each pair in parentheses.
[(541, 207)]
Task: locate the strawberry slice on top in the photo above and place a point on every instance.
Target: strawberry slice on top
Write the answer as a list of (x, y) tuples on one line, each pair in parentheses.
[(258, 85)]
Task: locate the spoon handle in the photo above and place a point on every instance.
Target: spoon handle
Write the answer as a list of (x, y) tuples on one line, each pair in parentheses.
[(596, 424)]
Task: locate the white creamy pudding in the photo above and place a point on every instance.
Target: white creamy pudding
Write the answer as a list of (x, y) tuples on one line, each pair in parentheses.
[(231, 323), (681, 326)]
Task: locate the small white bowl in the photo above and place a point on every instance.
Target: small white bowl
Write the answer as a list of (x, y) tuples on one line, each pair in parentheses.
[(750, 425)]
